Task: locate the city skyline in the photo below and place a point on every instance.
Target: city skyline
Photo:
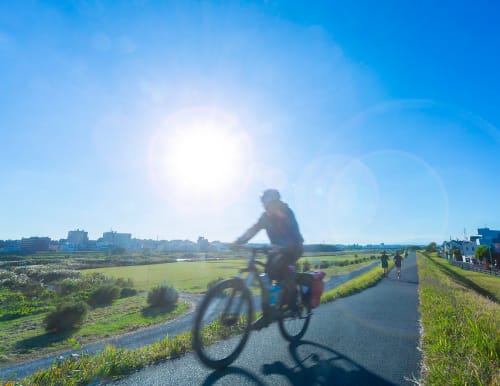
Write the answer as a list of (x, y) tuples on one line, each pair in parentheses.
[(466, 236), (378, 122)]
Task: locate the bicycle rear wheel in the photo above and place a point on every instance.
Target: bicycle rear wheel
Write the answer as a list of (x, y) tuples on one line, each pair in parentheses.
[(224, 316), (293, 324)]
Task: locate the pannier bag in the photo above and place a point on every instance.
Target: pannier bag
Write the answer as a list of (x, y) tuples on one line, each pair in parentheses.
[(312, 286), (317, 287)]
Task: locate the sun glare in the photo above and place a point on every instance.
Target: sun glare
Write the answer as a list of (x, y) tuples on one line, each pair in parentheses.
[(201, 157)]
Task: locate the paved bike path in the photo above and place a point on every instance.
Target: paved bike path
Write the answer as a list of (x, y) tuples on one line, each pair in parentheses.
[(370, 338), (140, 338)]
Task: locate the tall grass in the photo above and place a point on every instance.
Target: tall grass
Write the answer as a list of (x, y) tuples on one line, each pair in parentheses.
[(111, 363), (461, 329), (357, 284)]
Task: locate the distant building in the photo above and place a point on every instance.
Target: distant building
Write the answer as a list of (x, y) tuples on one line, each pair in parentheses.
[(448, 248), (468, 248), (78, 237), (10, 246), (487, 236), (203, 244), (217, 246), (35, 244), (177, 246), (115, 239)]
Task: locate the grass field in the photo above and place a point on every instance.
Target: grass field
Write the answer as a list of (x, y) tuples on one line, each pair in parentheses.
[(113, 362), (193, 276), (24, 338), (185, 276), (461, 326)]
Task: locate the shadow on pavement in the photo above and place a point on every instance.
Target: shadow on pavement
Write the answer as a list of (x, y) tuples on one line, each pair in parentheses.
[(315, 365), (320, 365), (402, 280), (233, 375)]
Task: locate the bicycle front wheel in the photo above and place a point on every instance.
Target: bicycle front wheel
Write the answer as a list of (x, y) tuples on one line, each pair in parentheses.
[(293, 324), (222, 323)]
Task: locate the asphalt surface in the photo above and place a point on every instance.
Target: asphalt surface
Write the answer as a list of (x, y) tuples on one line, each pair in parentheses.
[(140, 338), (370, 338)]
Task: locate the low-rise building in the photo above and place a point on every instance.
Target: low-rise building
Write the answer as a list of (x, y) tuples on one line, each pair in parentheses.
[(35, 244)]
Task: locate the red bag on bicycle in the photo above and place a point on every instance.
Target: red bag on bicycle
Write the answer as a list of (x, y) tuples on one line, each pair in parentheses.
[(316, 288)]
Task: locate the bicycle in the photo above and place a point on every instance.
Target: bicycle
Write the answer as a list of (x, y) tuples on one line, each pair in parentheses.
[(228, 311)]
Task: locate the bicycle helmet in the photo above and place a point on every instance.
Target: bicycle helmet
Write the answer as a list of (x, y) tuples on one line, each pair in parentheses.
[(269, 195)]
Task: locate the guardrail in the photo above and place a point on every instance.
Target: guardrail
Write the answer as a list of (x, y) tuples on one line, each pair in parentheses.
[(473, 267)]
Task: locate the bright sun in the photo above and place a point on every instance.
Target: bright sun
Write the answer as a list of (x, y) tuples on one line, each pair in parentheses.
[(201, 157)]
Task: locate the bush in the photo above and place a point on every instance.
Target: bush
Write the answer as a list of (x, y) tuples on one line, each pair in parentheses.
[(162, 296), (104, 295), (66, 317), (69, 285), (127, 292), (123, 283)]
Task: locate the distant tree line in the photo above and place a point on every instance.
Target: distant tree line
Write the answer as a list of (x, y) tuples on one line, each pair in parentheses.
[(320, 248)]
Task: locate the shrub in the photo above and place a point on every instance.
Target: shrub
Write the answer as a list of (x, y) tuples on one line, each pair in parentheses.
[(161, 296), (123, 283), (127, 291), (69, 285), (104, 295), (66, 317), (118, 251)]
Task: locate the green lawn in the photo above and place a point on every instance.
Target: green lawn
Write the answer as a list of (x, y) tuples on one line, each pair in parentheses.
[(185, 276), (194, 276), (487, 285), (461, 326), (24, 337)]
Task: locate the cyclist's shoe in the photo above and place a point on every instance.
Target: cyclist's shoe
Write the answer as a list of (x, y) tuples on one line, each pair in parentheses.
[(260, 323), (289, 309)]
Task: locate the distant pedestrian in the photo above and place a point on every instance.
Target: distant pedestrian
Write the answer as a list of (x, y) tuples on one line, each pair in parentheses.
[(384, 258), (397, 263)]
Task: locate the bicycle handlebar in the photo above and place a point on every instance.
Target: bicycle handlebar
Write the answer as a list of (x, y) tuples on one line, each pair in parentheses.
[(266, 250)]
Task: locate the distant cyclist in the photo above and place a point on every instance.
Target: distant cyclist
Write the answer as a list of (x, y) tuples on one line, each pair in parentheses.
[(384, 258), (397, 262), (283, 231)]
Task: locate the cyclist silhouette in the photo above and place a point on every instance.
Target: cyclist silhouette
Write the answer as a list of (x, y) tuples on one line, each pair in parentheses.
[(283, 231)]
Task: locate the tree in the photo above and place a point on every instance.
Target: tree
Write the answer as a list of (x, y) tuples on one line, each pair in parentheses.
[(482, 251), (457, 253), (483, 254), (432, 247)]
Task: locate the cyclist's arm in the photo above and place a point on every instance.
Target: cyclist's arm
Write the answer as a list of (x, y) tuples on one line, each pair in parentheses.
[(251, 232)]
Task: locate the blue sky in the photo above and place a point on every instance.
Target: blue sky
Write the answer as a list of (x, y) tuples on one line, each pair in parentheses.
[(378, 121)]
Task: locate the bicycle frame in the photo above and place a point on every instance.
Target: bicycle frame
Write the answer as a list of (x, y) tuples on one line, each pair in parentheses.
[(253, 274), (236, 307)]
